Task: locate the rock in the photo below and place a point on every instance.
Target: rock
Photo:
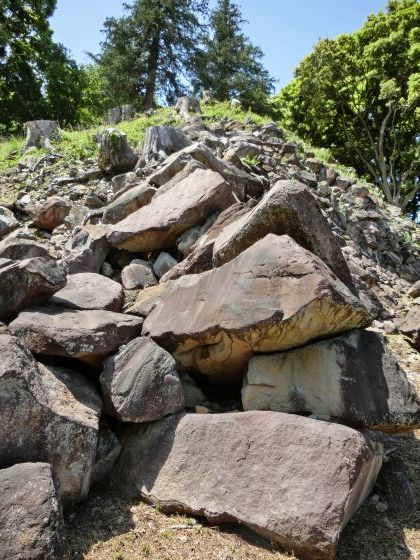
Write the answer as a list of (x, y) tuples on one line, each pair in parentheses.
[(353, 379), (88, 335), (141, 383), (148, 298), (163, 264), (162, 141), (127, 203), (8, 222), (88, 290), (288, 208), (47, 414), (31, 517), (40, 133), (28, 282), (86, 250), (187, 204), (19, 249), (115, 153), (108, 449), (295, 481), (193, 395), (414, 291), (187, 105), (138, 275), (410, 325), (276, 295), (50, 214)]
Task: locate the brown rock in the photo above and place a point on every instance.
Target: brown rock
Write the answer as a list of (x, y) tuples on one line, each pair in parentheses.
[(293, 480), (353, 379), (273, 296), (127, 203), (187, 204), (88, 335), (410, 325), (288, 208), (51, 213)]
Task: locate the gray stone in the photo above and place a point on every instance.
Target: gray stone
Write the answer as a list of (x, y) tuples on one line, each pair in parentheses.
[(8, 222), (295, 481), (19, 249), (31, 517), (163, 264), (108, 449), (88, 290), (127, 203), (352, 379), (86, 250), (141, 383), (138, 275)]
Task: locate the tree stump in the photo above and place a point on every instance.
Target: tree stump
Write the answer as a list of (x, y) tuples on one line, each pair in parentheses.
[(127, 112), (113, 116), (115, 153), (207, 97), (187, 105), (39, 133)]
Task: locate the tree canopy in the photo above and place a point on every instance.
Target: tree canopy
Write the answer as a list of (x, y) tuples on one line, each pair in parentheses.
[(38, 79), (359, 95), (228, 64)]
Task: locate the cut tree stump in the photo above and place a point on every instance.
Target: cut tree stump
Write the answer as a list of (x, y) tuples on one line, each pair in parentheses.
[(40, 133)]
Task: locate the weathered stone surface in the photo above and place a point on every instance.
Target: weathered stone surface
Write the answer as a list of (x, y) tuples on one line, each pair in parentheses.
[(47, 414), (8, 221), (193, 395), (294, 480), (86, 250), (138, 275), (288, 208), (414, 291), (115, 154), (31, 518), (19, 249), (88, 335), (51, 213), (163, 263), (353, 379), (162, 141), (88, 290), (28, 282), (141, 383), (127, 203), (149, 298), (107, 450), (275, 296), (187, 204), (410, 324)]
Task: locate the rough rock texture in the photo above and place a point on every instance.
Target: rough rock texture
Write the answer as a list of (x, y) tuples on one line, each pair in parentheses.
[(8, 221), (410, 324), (187, 204), (107, 450), (88, 290), (276, 295), (51, 213), (294, 480), (162, 141), (18, 249), (31, 518), (47, 415), (138, 274), (353, 379), (115, 154), (86, 250), (127, 203), (141, 383), (288, 208), (27, 282), (88, 335), (163, 264)]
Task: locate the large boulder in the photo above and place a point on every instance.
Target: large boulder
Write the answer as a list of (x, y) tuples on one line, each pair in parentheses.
[(162, 141), (31, 518), (288, 208), (127, 203), (187, 204), (20, 249), (28, 282), (141, 383), (352, 379), (409, 325), (86, 250), (293, 480), (47, 415), (88, 290), (88, 335), (115, 154), (50, 213), (273, 296)]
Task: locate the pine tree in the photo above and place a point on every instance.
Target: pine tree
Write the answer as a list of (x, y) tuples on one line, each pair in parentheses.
[(148, 51), (229, 64)]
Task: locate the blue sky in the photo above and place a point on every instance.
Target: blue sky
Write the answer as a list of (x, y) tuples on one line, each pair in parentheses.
[(286, 30)]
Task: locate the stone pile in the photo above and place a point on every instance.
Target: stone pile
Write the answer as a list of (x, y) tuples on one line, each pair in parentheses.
[(134, 292)]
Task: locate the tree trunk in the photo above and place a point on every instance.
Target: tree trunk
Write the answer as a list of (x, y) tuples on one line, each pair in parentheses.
[(152, 66)]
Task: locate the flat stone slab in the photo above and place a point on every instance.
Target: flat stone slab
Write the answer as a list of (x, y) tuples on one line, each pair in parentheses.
[(293, 480), (88, 290)]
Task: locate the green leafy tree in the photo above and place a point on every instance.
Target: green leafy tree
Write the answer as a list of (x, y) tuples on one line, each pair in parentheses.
[(229, 64), (359, 95), (37, 77), (147, 53)]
